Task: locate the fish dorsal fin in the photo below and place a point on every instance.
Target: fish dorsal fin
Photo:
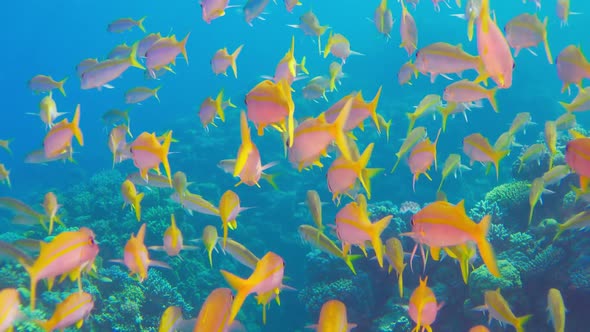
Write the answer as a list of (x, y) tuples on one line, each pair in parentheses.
[(461, 205)]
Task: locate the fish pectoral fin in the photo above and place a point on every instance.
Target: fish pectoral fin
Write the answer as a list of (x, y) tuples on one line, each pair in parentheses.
[(435, 253)]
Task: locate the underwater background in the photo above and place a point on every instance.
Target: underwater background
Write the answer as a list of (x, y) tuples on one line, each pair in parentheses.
[(42, 37)]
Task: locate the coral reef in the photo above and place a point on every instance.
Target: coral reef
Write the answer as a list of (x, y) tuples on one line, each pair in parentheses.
[(481, 280)]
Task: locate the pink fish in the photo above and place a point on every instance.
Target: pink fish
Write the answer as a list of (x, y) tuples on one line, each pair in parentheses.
[(338, 46), (270, 103), (173, 240), (118, 144), (360, 110), (253, 9), (124, 24), (71, 311), (421, 158), (222, 60), (215, 311), (423, 307), (477, 148), (287, 67), (572, 67), (59, 138), (577, 156), (146, 42), (442, 58), (408, 31), (266, 277), (383, 19), (290, 5), (526, 31), (38, 156), (102, 73), (212, 9), (147, 153), (405, 73), (44, 83), (493, 48), (210, 108), (10, 312), (84, 65), (465, 91), (136, 256), (164, 52)]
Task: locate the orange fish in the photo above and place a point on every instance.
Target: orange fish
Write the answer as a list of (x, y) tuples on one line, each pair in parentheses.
[(131, 197), (136, 256), (493, 48), (577, 156), (173, 240), (266, 277), (421, 158), (10, 312), (333, 318), (229, 209), (271, 104), (442, 224), (5, 175), (147, 153), (59, 138), (423, 307), (222, 60), (73, 310), (215, 312), (360, 110), (210, 239)]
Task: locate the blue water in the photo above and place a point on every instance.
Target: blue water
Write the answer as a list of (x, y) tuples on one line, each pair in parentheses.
[(41, 37)]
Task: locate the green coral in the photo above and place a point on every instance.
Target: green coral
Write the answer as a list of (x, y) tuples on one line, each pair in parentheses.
[(509, 195), (481, 280)]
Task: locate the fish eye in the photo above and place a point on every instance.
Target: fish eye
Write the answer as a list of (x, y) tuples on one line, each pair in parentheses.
[(513, 65), (412, 221), (91, 241)]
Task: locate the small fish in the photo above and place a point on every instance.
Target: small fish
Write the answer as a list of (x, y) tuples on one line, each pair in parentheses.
[(353, 227), (136, 256), (146, 42), (288, 66), (551, 140), (271, 104), (421, 158), (59, 138), (320, 241), (216, 312), (384, 124), (408, 31), (267, 276), (38, 156), (578, 221), (253, 9), (477, 148), (427, 106), (164, 51), (443, 58), (120, 51), (118, 145), (572, 67), (414, 137), (115, 117), (423, 307), (229, 209), (147, 153), (466, 91), (209, 239), (312, 199), (581, 102), (68, 253), (556, 174), (222, 60), (556, 309), (290, 4), (383, 19), (520, 122), (537, 189), (43, 83), (48, 111), (338, 46), (526, 31), (5, 175), (210, 108), (333, 317), (171, 319), (499, 309), (125, 24), (192, 202), (310, 25), (73, 310), (493, 48), (51, 207), (316, 88), (452, 166), (532, 153), (394, 254), (213, 9), (101, 74), (173, 240), (360, 110), (563, 11), (464, 254), (131, 197), (139, 94), (405, 73), (10, 312), (240, 253)]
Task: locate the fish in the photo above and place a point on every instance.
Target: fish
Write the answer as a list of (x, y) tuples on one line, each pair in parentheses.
[(421, 158), (333, 317), (287, 68), (146, 42), (479, 328), (213, 9), (209, 239), (180, 184), (73, 310), (533, 152), (171, 319), (537, 189), (155, 180), (443, 58), (408, 31), (163, 52), (442, 224), (118, 145), (384, 124), (577, 221), (452, 165), (59, 137), (339, 46), (383, 19), (136, 256), (192, 202), (125, 24), (405, 73), (101, 74), (20, 208), (464, 254), (271, 104), (141, 93), (222, 60), (394, 254), (414, 137), (240, 253), (427, 106), (423, 307), (229, 209), (316, 88), (216, 311), (477, 148), (173, 240), (290, 4), (132, 197), (44, 83), (68, 253), (360, 110), (115, 117), (556, 309), (353, 227), (320, 241), (48, 111), (466, 91), (312, 199), (551, 140), (581, 102), (572, 67), (499, 309), (254, 9), (310, 25), (38, 156), (5, 175), (84, 65), (525, 31), (556, 174), (147, 153), (10, 312), (493, 48), (520, 122), (267, 276), (211, 108), (120, 51), (51, 207)]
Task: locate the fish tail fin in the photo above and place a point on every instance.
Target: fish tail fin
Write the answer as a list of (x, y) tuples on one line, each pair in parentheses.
[(520, 321), (373, 108), (210, 253), (219, 105), (182, 45), (137, 205), (434, 153), (499, 155), (156, 93), (492, 98), (378, 228), (412, 118), (225, 232), (441, 183), (302, 66), (396, 162), (546, 42), (470, 22), (133, 57), (60, 86), (270, 178), (246, 147), (348, 259), (75, 126), (366, 176), (566, 106), (400, 282), (361, 165), (338, 130), (531, 210), (164, 156), (485, 248), (560, 230), (464, 265), (445, 117), (387, 128), (242, 291), (234, 57), (140, 24), (328, 46)]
